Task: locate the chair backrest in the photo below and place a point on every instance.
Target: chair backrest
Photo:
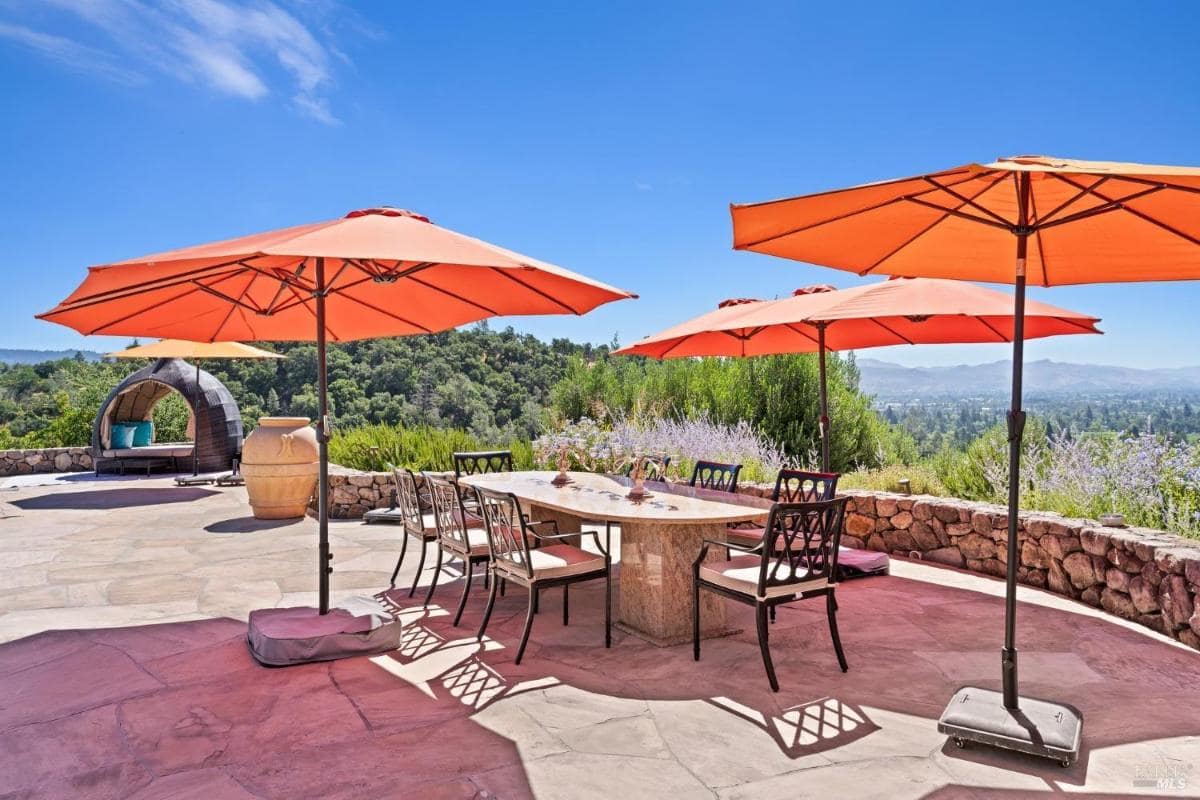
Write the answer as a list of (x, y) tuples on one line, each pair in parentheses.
[(408, 500), (508, 540), (801, 542), (718, 477), (449, 515), (799, 486), (482, 462)]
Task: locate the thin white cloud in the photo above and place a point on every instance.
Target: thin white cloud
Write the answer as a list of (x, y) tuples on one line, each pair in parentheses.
[(70, 53), (243, 48)]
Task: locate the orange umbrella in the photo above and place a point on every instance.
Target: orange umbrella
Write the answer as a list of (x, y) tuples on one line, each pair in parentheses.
[(374, 272), (891, 312), (1028, 219)]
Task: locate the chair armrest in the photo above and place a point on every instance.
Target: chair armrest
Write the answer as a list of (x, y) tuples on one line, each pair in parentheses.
[(745, 548)]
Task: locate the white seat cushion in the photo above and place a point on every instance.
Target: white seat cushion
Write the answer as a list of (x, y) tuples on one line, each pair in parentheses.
[(740, 574), (558, 561), (476, 539)]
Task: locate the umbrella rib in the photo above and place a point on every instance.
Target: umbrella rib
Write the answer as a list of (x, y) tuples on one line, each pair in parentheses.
[(792, 327), (1139, 214), (1161, 183), (1108, 205), (846, 215), (1085, 327), (158, 283), (131, 315), (449, 293), (302, 301), (678, 342), (853, 188), (282, 284), (236, 306), (954, 212), (1041, 245), (922, 232), (970, 201), (534, 289), (993, 329), (895, 333), (1074, 198)]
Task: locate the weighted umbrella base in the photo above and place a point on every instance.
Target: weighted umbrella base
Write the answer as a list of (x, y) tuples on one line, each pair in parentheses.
[(284, 636), (195, 480), (1038, 727)]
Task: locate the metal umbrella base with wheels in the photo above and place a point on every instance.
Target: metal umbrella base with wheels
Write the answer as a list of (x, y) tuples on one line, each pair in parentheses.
[(1037, 727)]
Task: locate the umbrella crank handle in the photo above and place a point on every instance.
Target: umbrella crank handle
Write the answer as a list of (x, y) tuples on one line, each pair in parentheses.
[(326, 428)]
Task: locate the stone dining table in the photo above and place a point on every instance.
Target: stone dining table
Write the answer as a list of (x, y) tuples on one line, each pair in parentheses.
[(661, 536)]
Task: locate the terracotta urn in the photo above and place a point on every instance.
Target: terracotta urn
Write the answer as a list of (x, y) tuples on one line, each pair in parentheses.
[(280, 465)]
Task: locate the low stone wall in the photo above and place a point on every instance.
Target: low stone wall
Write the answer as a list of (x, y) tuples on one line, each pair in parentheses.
[(1139, 574), (353, 492), (49, 459)]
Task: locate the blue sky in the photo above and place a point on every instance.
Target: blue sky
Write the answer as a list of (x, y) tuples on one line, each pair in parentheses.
[(605, 137)]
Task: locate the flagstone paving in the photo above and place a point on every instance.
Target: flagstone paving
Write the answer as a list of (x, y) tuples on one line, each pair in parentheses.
[(125, 674)]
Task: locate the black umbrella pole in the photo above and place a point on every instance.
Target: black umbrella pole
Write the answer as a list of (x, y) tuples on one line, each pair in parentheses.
[(324, 557), (824, 421), (196, 424), (1016, 429)]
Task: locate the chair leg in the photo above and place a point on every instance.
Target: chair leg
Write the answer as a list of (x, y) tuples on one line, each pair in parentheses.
[(487, 612), (528, 624), (420, 567), (695, 619), (608, 606), (437, 570), (466, 591), (772, 613), (761, 618), (503, 584), (831, 612), (400, 560), (536, 597), (566, 599)]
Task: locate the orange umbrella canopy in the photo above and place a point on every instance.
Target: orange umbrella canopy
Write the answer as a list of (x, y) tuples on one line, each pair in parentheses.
[(1086, 222), (387, 272), (179, 348), (891, 312)]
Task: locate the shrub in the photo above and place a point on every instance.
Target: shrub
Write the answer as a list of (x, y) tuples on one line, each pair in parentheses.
[(375, 447), (921, 477), (606, 448)]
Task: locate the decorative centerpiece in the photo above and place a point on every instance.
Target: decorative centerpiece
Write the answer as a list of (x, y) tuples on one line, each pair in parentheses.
[(640, 466), (563, 451)]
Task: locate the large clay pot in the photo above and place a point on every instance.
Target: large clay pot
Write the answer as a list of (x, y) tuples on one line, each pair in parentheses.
[(280, 465)]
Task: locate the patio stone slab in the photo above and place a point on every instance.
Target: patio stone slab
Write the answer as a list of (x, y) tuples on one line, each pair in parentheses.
[(134, 679)]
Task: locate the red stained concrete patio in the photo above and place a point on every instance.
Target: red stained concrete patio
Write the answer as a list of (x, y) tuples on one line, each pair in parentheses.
[(179, 708)]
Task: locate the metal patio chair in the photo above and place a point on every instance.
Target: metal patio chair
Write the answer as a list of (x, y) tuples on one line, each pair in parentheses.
[(551, 564), (715, 476), (459, 536), (417, 525), (797, 560)]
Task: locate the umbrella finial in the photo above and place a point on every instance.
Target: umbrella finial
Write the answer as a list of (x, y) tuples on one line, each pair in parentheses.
[(737, 301), (387, 211)]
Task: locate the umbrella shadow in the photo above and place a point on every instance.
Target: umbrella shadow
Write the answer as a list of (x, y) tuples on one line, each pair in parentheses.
[(249, 525), (105, 499)]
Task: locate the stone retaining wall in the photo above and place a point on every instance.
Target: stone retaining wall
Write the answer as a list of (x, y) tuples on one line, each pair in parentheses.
[(1140, 574), (49, 459)]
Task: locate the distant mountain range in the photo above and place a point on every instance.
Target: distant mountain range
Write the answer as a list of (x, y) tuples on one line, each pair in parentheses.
[(886, 380), (38, 356)]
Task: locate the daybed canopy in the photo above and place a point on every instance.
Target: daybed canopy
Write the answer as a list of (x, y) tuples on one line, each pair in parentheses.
[(217, 434)]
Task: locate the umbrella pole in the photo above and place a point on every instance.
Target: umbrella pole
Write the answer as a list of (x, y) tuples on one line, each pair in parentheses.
[(323, 554), (1016, 429), (824, 421), (196, 424)]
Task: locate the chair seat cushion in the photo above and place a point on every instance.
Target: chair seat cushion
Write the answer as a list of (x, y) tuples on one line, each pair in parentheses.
[(740, 574), (559, 561), (476, 540)]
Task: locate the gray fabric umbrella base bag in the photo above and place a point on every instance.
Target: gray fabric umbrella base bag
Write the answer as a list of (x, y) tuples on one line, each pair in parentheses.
[(280, 637)]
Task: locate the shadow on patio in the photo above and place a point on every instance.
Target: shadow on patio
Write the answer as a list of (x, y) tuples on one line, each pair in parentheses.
[(183, 705), (103, 499)]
